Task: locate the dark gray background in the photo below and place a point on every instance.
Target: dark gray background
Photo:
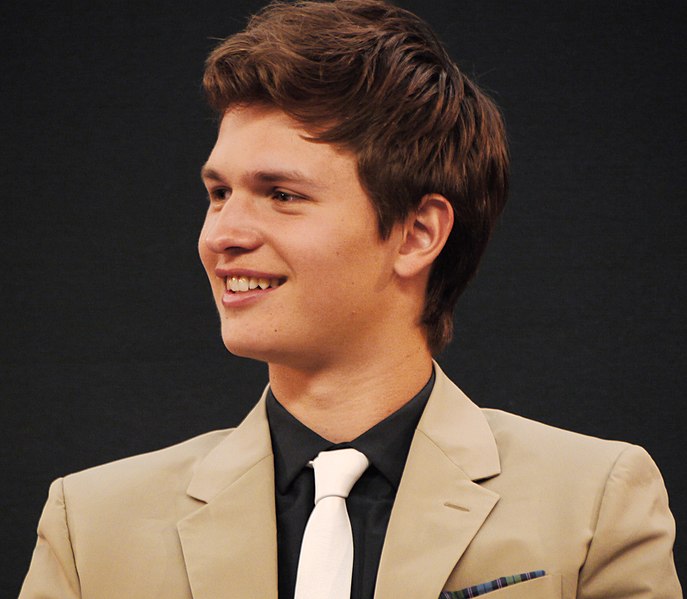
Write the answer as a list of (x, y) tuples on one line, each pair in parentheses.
[(110, 344)]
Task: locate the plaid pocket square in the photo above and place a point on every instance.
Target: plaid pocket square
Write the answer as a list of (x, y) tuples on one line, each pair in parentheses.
[(492, 585)]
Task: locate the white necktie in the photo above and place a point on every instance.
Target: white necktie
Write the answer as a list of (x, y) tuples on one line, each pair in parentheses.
[(326, 561)]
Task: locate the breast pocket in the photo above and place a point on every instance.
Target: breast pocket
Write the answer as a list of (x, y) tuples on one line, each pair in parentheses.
[(546, 587)]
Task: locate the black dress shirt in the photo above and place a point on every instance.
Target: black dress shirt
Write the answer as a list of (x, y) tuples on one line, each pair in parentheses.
[(386, 446)]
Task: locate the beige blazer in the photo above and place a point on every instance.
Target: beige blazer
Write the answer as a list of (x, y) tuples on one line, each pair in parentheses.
[(484, 494)]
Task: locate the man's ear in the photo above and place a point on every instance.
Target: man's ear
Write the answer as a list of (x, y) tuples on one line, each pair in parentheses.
[(425, 232)]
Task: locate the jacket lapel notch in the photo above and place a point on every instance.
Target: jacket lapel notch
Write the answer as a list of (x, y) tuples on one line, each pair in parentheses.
[(230, 543), (437, 513), (439, 508)]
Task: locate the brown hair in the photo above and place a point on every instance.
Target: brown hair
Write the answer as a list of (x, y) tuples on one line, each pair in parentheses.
[(374, 79)]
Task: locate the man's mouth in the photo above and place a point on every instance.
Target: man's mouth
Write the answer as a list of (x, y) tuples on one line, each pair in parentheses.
[(241, 284)]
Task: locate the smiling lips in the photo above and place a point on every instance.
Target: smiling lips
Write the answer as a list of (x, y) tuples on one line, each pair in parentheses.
[(242, 284)]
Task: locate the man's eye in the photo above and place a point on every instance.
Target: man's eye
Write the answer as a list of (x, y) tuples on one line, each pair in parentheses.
[(218, 195), (284, 196)]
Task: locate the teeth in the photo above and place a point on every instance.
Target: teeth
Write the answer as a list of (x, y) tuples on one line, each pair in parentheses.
[(243, 283)]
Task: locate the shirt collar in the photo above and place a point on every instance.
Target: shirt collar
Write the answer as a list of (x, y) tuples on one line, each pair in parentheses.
[(386, 444)]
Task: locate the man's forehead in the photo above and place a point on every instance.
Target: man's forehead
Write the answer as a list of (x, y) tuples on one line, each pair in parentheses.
[(240, 115), (269, 146)]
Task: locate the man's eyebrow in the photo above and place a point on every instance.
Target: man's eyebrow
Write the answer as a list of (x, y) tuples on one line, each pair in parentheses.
[(266, 176), (283, 176), (207, 172)]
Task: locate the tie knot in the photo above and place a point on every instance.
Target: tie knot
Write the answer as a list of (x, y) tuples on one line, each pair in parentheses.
[(337, 471)]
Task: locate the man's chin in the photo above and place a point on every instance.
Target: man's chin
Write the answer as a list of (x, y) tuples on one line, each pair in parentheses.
[(242, 350), (269, 353), (249, 347)]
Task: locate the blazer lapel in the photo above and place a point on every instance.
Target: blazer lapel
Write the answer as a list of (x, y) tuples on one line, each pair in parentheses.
[(229, 544), (438, 508)]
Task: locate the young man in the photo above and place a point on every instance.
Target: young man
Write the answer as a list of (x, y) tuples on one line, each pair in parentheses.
[(353, 186)]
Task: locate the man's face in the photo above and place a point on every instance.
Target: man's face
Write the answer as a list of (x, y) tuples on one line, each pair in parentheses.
[(291, 246)]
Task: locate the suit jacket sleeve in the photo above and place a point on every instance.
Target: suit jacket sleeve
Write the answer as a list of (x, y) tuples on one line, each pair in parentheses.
[(630, 555), (52, 574)]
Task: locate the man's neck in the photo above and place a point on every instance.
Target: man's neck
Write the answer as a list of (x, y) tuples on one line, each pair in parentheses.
[(343, 401)]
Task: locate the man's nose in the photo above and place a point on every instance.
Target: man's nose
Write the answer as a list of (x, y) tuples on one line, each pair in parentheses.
[(233, 228)]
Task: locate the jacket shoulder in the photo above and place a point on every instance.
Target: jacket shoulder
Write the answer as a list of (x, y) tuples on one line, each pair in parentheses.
[(530, 448), (164, 469), (516, 430)]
